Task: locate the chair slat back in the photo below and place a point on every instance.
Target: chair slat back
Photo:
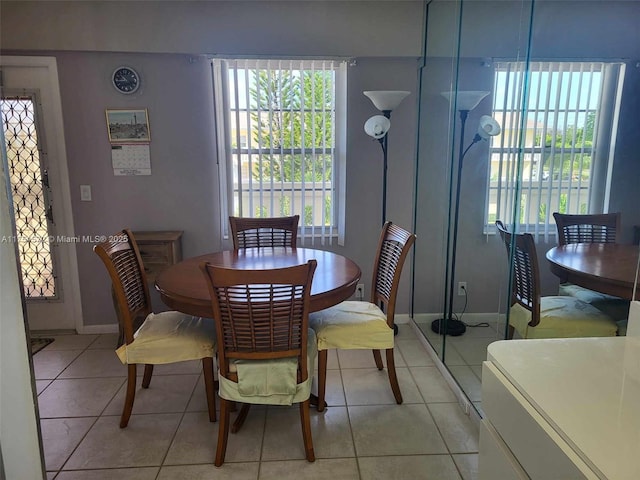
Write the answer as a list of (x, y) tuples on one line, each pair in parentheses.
[(599, 228), (264, 232), (526, 276), (393, 248), (124, 264), (261, 314)]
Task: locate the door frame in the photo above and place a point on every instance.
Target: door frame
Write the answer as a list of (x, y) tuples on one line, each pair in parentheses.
[(56, 145)]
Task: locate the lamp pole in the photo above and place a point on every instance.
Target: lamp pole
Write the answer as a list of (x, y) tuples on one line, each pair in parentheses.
[(466, 101), (384, 143), (454, 246)]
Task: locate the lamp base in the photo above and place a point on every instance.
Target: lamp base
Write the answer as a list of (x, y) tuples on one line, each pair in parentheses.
[(455, 328)]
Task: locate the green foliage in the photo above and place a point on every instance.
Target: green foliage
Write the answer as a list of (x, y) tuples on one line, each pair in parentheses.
[(562, 207), (261, 212), (327, 210), (292, 111), (565, 148), (542, 214), (292, 168), (285, 206), (308, 215)]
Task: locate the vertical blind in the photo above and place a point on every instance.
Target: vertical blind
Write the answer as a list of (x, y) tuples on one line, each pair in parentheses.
[(276, 125), (556, 144)]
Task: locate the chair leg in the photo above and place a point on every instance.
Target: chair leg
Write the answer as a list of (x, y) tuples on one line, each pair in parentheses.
[(207, 367), (131, 395), (322, 378), (378, 358), (146, 378), (305, 420), (223, 432), (393, 379), (242, 416)]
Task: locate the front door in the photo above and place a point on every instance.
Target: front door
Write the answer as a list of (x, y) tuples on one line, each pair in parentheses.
[(34, 142)]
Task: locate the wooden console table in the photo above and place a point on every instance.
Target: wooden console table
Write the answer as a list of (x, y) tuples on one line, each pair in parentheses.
[(159, 250)]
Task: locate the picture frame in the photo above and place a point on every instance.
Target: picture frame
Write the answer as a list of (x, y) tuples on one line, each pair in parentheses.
[(128, 125)]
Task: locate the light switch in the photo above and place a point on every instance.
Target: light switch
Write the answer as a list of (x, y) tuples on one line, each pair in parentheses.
[(85, 193)]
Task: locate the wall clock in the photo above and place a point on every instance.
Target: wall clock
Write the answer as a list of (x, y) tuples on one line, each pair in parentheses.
[(126, 80)]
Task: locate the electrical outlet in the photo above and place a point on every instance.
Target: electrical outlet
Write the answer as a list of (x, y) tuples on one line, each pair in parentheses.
[(462, 288), (360, 291)]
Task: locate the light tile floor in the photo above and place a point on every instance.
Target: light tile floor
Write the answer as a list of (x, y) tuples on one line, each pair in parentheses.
[(363, 434), (464, 355)]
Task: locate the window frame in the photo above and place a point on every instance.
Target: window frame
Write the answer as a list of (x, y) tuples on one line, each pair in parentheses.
[(308, 234), (512, 151)]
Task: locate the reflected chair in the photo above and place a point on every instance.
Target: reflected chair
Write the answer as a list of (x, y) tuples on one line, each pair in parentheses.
[(365, 325), (598, 228), (166, 337), (266, 351), (264, 232), (533, 316)]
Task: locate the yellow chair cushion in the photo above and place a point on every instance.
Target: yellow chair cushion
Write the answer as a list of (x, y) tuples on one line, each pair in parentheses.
[(170, 337), (562, 317), (615, 307), (270, 382), (352, 325)]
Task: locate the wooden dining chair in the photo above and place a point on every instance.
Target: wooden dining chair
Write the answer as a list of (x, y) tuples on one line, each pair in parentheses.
[(533, 316), (166, 337), (266, 351), (366, 325), (264, 232), (597, 228)]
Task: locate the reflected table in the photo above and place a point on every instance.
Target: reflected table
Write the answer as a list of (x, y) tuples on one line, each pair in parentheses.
[(603, 267)]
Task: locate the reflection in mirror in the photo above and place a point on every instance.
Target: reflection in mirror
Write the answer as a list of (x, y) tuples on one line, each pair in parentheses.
[(563, 83)]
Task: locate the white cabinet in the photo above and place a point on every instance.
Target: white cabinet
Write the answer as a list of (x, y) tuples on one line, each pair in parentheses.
[(561, 409), (496, 460)]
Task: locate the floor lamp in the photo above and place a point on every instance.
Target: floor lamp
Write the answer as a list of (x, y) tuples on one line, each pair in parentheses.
[(488, 127), (378, 126)]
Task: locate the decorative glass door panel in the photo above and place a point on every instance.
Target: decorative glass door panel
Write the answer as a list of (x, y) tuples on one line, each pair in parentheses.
[(29, 185)]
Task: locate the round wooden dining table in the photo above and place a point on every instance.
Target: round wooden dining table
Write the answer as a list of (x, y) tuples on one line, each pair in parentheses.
[(183, 287), (603, 267)]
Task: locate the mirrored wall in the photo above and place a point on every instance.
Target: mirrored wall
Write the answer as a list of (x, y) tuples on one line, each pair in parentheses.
[(526, 109)]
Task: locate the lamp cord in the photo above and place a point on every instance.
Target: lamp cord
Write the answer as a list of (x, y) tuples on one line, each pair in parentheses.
[(464, 309)]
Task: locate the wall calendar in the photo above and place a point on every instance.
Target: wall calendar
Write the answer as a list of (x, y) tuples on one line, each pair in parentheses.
[(130, 160)]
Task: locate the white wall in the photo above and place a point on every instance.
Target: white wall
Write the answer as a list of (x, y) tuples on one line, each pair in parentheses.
[(182, 192), (338, 28)]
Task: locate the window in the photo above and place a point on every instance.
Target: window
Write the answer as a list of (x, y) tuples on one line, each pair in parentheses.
[(279, 124), (30, 188), (563, 132)]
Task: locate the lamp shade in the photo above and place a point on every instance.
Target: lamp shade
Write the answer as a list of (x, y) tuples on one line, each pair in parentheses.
[(377, 126), (488, 127), (386, 100), (467, 100)]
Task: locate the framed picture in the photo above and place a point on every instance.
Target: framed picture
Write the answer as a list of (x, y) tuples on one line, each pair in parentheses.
[(127, 126)]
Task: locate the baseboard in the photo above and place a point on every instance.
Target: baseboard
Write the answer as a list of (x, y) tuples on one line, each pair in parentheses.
[(98, 329), (463, 400), (490, 317)]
